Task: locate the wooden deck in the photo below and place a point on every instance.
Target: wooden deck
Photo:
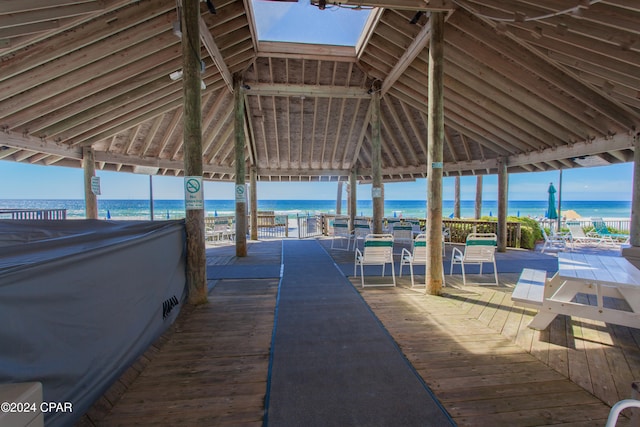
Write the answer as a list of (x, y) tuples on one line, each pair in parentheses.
[(471, 346)]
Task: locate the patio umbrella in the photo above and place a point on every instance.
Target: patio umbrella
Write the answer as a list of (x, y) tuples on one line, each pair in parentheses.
[(552, 213)]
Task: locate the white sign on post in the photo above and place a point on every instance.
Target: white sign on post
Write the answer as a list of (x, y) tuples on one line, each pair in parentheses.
[(95, 185), (193, 194), (241, 195)]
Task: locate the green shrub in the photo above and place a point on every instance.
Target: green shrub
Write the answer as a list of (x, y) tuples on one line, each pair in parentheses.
[(527, 241)]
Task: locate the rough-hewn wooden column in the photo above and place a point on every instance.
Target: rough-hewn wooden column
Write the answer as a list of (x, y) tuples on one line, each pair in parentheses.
[(196, 254), (353, 201), (478, 205), (339, 199), (241, 196), (503, 191), (635, 196), (632, 253), (456, 197), (253, 202), (559, 223), (377, 194), (435, 144), (90, 199)]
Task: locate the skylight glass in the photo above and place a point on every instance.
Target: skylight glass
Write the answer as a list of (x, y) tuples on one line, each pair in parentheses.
[(301, 22)]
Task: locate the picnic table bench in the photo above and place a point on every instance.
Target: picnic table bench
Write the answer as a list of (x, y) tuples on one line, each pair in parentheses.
[(596, 276)]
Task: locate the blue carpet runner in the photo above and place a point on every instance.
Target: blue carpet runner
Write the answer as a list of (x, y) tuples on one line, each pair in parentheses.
[(333, 364)]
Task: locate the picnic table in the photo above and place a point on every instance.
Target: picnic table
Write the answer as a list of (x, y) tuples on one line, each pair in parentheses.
[(597, 276)]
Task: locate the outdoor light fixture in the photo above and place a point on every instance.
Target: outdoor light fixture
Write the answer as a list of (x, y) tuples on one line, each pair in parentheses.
[(416, 17), (177, 75), (210, 6)]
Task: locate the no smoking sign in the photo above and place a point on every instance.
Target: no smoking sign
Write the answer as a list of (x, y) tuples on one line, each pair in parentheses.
[(193, 195)]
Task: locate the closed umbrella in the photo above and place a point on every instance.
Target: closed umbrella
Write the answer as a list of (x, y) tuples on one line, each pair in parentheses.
[(552, 213)]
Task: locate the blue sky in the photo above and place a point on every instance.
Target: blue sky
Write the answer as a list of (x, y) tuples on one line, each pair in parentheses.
[(26, 181), (301, 23)]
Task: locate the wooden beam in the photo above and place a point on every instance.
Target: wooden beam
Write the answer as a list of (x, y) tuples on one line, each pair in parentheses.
[(306, 51), (239, 150), (421, 5), (21, 17), (456, 197), (26, 29), (212, 48), (90, 199), (194, 221), (353, 184), (253, 195), (503, 194), (568, 151), (435, 148), (477, 211), (415, 48), (377, 192), (325, 91)]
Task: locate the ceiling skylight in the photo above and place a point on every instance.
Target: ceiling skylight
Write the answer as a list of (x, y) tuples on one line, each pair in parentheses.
[(302, 22)]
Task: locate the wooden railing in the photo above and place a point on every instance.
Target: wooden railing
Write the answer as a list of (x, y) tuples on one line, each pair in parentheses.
[(49, 214), (459, 228), (272, 225)]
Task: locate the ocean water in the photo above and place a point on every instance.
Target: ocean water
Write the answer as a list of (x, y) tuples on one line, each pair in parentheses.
[(174, 209)]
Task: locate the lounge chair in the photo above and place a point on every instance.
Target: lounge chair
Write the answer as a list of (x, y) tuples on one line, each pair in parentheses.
[(341, 232), (578, 235), (480, 248), (378, 250), (555, 241), (601, 230)]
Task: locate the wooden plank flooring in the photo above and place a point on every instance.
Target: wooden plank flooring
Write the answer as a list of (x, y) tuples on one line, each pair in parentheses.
[(471, 346), (213, 368)]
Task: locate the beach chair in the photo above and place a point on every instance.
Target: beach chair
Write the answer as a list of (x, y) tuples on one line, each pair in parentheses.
[(418, 255), (553, 241), (341, 232), (219, 231), (479, 248), (578, 236), (601, 230), (402, 233), (361, 229), (378, 250)]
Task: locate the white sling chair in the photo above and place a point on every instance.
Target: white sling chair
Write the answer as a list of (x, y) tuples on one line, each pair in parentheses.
[(378, 250)]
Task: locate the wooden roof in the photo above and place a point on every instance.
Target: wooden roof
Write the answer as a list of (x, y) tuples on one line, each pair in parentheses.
[(540, 83)]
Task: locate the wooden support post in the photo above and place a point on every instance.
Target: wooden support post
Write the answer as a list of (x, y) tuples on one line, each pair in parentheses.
[(90, 199), (339, 199), (353, 201), (196, 254), (377, 194), (253, 202), (503, 191), (478, 205), (435, 144), (560, 202), (456, 197), (241, 196), (151, 197), (635, 196)]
